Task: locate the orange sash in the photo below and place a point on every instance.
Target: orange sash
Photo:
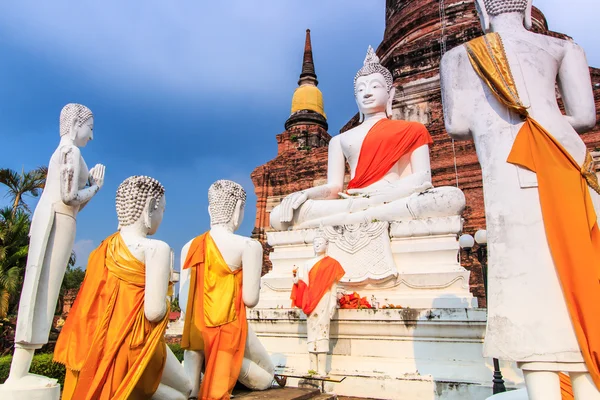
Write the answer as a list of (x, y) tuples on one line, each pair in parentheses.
[(321, 277), (215, 318), (110, 349), (570, 220), (386, 142)]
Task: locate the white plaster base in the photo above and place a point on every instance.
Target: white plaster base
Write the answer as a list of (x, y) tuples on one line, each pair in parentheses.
[(429, 274), (51, 392), (424, 354)]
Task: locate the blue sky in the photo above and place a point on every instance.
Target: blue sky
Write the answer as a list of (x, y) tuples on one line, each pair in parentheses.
[(187, 91)]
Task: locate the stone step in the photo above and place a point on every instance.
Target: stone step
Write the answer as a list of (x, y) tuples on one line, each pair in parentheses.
[(276, 393), (325, 396)]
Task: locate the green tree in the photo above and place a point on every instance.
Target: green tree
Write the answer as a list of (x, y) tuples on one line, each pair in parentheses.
[(14, 244), (21, 184)]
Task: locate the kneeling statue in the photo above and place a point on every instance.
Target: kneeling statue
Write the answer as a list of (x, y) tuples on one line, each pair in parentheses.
[(220, 277), (112, 343)]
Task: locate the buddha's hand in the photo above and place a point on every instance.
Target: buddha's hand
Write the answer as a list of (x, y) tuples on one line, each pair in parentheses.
[(96, 175), (350, 193), (290, 203)]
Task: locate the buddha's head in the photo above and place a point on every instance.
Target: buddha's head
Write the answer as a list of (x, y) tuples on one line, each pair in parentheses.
[(491, 8), (320, 244), (373, 87), (226, 201), (141, 200), (77, 123)]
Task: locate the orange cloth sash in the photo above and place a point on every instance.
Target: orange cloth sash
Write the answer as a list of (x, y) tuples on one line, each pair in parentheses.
[(386, 142), (569, 217), (215, 318), (111, 351), (321, 277)]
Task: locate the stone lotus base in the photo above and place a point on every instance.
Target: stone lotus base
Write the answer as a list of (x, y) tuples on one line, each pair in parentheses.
[(426, 272), (417, 354)]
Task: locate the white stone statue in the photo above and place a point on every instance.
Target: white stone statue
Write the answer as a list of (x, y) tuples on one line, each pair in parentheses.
[(69, 187), (139, 218), (320, 305), (226, 208), (401, 192), (528, 319)]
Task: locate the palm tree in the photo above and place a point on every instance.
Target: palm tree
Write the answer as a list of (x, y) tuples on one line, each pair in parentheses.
[(25, 183), (14, 244)]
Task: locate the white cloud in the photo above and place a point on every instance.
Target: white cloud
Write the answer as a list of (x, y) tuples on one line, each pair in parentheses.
[(82, 249)]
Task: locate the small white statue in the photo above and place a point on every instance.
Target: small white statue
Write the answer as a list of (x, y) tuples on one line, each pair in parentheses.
[(315, 292), (69, 187), (112, 343), (389, 166), (539, 187), (220, 277)]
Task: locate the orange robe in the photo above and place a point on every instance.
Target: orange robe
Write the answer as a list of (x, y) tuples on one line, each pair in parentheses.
[(570, 221), (215, 318), (111, 351), (386, 142), (321, 277)]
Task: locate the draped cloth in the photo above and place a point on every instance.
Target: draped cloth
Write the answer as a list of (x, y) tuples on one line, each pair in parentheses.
[(386, 142), (321, 277), (570, 221), (110, 350), (215, 318)]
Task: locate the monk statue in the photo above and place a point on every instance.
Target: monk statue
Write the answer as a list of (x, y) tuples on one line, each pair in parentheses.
[(112, 343), (69, 187), (220, 277), (541, 194), (315, 292), (389, 166)]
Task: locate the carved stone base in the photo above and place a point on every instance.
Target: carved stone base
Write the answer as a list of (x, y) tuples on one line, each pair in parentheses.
[(423, 252)]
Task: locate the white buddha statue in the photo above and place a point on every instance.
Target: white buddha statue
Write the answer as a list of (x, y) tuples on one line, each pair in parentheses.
[(69, 187), (389, 166), (112, 343), (540, 194), (315, 292), (220, 277)]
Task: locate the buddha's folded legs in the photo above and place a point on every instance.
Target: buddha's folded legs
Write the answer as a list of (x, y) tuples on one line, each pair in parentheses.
[(173, 385), (434, 203)]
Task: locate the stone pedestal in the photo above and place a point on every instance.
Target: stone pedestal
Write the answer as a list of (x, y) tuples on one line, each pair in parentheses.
[(408, 263), (49, 392), (417, 354)]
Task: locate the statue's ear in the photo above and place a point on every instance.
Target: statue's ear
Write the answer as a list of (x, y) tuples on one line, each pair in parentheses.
[(73, 129), (149, 209), (388, 109), (483, 15), (527, 19), (237, 213)]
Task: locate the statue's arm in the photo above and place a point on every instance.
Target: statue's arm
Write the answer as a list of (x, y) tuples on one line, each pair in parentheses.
[(252, 264), (70, 170), (184, 278), (455, 97), (158, 274), (575, 87), (336, 167)]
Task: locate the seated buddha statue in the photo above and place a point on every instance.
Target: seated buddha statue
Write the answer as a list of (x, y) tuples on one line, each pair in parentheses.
[(389, 168)]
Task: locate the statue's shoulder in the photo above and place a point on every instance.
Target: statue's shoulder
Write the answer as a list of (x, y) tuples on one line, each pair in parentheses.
[(69, 151), (451, 56), (156, 245)]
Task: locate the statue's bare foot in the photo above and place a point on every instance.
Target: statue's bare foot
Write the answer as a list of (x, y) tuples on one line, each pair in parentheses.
[(32, 381)]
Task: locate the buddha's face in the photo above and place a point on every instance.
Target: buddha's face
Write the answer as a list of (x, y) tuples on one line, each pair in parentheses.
[(320, 245), (84, 133), (371, 93), (156, 216)]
